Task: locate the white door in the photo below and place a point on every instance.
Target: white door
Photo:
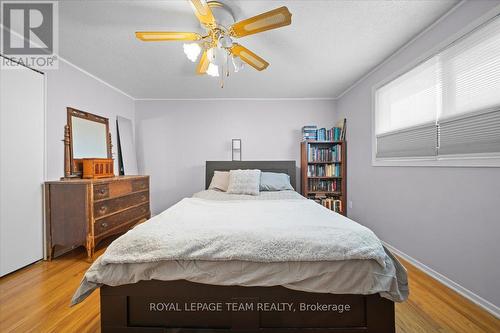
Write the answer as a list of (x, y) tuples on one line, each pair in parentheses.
[(22, 146)]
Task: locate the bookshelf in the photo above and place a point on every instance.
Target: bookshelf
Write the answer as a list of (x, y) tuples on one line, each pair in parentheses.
[(323, 173)]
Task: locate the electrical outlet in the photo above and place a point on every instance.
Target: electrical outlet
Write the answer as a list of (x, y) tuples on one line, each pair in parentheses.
[(350, 204)]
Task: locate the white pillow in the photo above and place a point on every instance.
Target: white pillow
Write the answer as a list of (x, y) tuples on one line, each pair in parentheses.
[(244, 182), (220, 181)]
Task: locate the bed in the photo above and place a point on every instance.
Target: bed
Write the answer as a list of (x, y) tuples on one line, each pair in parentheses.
[(278, 266)]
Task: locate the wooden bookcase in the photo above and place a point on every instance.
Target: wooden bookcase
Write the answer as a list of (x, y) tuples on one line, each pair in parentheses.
[(341, 191)]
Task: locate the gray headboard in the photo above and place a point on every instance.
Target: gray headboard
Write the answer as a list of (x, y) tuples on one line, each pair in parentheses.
[(287, 167)]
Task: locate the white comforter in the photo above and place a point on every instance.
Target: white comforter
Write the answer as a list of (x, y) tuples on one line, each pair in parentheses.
[(264, 240), (258, 231)]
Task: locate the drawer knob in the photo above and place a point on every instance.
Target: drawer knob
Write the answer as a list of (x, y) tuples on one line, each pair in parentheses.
[(104, 225), (103, 209), (102, 191), (143, 198)]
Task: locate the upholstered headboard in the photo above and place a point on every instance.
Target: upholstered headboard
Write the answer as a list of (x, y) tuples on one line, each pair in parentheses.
[(287, 167)]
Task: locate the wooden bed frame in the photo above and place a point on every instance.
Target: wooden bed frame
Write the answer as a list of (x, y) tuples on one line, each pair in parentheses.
[(188, 307)]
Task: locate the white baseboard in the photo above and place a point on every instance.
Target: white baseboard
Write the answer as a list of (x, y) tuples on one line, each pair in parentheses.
[(476, 299)]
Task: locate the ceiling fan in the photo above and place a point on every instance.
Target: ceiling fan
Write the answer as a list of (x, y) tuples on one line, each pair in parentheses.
[(219, 52)]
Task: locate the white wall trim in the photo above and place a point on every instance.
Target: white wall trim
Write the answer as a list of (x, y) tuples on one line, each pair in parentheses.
[(95, 77), (401, 49), (474, 298), (241, 99)]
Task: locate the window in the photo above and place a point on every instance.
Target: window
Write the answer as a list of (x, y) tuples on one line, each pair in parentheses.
[(446, 107)]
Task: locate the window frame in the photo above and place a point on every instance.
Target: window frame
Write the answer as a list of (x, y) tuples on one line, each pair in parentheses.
[(458, 160)]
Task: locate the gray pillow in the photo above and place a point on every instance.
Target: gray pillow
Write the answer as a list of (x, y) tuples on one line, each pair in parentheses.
[(272, 181)]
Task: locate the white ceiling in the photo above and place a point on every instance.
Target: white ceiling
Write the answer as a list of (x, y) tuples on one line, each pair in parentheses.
[(329, 45)]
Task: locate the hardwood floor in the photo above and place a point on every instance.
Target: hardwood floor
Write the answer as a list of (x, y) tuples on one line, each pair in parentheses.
[(36, 299), (433, 307)]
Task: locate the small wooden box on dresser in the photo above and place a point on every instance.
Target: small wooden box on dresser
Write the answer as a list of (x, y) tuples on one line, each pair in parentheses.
[(82, 212)]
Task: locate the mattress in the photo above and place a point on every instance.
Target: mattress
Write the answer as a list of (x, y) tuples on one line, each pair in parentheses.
[(266, 195), (309, 248), (361, 277)]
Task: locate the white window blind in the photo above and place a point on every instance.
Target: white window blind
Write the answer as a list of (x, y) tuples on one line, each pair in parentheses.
[(450, 104), (406, 113), (470, 117)]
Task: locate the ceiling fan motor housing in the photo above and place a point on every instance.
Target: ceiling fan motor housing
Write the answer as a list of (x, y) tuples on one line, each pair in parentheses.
[(222, 13)]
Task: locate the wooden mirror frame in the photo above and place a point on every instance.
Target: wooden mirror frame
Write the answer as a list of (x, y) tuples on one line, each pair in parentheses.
[(73, 167)]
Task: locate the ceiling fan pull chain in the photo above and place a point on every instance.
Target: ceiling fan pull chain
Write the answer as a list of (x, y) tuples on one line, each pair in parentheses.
[(227, 63)]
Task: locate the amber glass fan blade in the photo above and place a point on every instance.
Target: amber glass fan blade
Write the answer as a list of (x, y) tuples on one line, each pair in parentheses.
[(203, 64), (156, 36), (203, 12), (249, 57), (273, 19)]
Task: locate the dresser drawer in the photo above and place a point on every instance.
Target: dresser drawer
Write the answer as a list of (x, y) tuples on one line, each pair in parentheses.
[(106, 207), (101, 191), (107, 223), (120, 188), (140, 184)]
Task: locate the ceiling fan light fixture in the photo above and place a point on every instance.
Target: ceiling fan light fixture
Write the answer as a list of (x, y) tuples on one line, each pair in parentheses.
[(192, 51), (217, 55), (225, 42), (237, 63), (217, 52), (213, 70)]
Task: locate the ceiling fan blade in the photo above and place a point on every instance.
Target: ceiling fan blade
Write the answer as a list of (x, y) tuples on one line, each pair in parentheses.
[(203, 64), (203, 12), (273, 19), (156, 36), (249, 57)]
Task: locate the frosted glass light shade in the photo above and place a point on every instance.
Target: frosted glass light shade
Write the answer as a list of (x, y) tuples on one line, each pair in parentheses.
[(192, 51), (237, 63), (213, 70)]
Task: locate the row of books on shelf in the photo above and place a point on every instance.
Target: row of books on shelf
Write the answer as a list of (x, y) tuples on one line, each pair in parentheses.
[(320, 185), (311, 132), (330, 203), (323, 170), (322, 154)]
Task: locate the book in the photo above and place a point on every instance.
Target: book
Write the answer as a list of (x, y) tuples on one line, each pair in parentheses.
[(324, 154), (324, 185), (330, 203), (323, 170), (342, 135), (311, 132)]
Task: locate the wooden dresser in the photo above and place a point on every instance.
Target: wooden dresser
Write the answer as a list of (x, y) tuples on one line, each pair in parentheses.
[(82, 212)]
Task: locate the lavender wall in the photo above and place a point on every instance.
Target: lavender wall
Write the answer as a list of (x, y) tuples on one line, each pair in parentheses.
[(175, 138), (69, 86), (446, 218)]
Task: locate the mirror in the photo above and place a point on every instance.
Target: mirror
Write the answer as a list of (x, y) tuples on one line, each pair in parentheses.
[(87, 136), (126, 147)]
